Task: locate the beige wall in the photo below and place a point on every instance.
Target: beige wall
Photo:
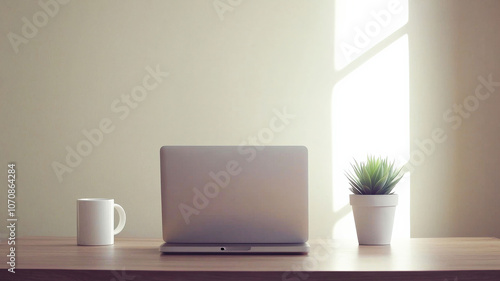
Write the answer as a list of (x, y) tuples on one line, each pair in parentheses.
[(455, 192), (226, 80), (227, 77)]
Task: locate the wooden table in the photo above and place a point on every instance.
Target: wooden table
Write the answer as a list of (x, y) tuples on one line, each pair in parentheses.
[(443, 259)]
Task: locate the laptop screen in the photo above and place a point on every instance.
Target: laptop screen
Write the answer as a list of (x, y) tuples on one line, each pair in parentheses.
[(234, 194)]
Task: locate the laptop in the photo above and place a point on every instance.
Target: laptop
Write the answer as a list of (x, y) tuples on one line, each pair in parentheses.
[(234, 199)]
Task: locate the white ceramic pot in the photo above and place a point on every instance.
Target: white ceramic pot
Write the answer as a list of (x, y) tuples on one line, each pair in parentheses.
[(374, 217)]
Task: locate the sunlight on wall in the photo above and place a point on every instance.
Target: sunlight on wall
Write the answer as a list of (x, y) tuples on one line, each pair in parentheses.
[(362, 24), (370, 115)]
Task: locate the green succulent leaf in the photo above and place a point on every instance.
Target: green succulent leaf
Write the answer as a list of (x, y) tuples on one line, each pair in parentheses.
[(375, 176)]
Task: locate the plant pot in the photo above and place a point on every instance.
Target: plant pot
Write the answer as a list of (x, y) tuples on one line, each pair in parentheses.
[(374, 217)]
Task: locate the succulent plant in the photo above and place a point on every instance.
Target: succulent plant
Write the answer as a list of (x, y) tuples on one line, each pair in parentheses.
[(375, 177)]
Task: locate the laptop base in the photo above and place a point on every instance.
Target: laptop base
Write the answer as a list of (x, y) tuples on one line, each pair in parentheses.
[(194, 248)]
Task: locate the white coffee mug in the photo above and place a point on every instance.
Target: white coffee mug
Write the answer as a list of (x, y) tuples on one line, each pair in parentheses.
[(96, 220)]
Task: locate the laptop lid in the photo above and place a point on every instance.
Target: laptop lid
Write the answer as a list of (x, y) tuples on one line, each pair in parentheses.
[(234, 194)]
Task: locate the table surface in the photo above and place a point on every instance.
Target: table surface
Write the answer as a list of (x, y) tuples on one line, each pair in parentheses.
[(451, 255)]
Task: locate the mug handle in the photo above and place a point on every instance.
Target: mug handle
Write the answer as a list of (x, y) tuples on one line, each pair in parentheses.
[(123, 219)]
